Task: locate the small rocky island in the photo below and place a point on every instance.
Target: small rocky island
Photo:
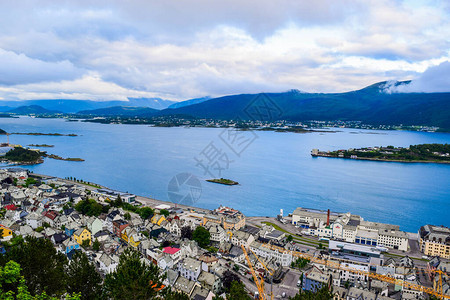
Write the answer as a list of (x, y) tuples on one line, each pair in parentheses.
[(41, 145), (223, 181), (57, 157), (45, 134)]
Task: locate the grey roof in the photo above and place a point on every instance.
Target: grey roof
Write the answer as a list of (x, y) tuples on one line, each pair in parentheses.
[(191, 264), (435, 233), (184, 285)]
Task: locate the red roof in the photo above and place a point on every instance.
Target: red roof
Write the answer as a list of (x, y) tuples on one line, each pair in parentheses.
[(51, 214), (171, 250), (11, 207)]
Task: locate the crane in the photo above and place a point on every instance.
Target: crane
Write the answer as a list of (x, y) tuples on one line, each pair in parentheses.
[(270, 273), (259, 283), (437, 291)]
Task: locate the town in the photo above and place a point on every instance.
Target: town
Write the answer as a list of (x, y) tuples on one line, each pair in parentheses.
[(200, 251), (245, 123)]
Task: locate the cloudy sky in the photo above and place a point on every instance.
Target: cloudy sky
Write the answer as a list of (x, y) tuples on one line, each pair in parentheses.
[(177, 49)]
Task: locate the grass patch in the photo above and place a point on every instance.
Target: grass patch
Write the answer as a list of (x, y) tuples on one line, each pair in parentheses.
[(297, 239)]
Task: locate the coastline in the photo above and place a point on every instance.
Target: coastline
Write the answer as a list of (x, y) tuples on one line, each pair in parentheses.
[(385, 160), (152, 202), (146, 201)]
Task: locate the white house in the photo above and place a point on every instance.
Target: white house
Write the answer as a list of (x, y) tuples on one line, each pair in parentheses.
[(190, 268)]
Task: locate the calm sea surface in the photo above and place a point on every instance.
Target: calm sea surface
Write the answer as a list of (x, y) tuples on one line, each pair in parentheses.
[(275, 170)]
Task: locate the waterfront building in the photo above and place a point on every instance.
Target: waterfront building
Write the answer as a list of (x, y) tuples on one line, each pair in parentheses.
[(393, 239), (435, 241), (349, 228), (227, 217), (112, 195)]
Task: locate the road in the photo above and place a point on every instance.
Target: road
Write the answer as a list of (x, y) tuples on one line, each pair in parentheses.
[(146, 201)]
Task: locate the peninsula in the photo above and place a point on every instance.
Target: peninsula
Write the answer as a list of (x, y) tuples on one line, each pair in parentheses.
[(435, 153)]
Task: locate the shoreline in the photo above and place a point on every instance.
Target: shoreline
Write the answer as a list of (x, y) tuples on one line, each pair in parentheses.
[(146, 201), (152, 202), (385, 160)]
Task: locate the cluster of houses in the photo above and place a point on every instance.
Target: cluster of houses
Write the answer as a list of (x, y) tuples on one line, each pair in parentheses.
[(350, 285), (45, 209)]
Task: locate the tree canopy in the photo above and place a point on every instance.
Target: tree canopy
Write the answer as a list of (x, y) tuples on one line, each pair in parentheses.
[(83, 277), (133, 279), (202, 236)]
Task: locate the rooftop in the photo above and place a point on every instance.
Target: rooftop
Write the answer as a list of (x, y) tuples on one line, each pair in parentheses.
[(171, 250)]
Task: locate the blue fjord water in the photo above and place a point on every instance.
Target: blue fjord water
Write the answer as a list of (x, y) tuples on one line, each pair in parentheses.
[(275, 171)]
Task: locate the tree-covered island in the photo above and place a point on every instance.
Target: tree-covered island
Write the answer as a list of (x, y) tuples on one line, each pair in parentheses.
[(437, 153)]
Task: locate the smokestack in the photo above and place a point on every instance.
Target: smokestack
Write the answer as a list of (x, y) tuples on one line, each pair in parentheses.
[(328, 218)]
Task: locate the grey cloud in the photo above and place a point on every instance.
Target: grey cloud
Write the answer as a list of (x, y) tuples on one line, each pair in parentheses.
[(435, 79), (19, 69)]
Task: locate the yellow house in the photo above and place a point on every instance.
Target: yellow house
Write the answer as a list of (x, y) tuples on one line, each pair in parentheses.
[(82, 234), (157, 219), (134, 241), (131, 237), (6, 232)]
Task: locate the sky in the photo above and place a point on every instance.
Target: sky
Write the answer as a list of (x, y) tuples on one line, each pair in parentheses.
[(178, 50)]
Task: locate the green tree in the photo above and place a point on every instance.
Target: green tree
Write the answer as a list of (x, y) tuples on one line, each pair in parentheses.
[(118, 202), (86, 243), (89, 207), (289, 238), (13, 284), (42, 266), (174, 295), (237, 292), (127, 216), (133, 279), (228, 278), (96, 245), (146, 212), (164, 212), (186, 232), (83, 277), (202, 236), (322, 294)]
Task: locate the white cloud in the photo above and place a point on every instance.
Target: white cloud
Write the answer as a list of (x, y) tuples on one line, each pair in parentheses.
[(187, 49)]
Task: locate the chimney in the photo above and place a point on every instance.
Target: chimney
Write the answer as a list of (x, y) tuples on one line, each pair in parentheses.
[(328, 218)]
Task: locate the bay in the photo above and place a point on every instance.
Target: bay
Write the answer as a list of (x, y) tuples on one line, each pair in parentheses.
[(275, 171)]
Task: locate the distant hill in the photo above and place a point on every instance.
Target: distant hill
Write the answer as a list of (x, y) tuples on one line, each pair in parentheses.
[(155, 103), (371, 105), (128, 111), (189, 102), (32, 109), (73, 105)]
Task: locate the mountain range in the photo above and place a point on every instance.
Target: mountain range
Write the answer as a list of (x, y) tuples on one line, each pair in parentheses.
[(74, 105), (371, 105)]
